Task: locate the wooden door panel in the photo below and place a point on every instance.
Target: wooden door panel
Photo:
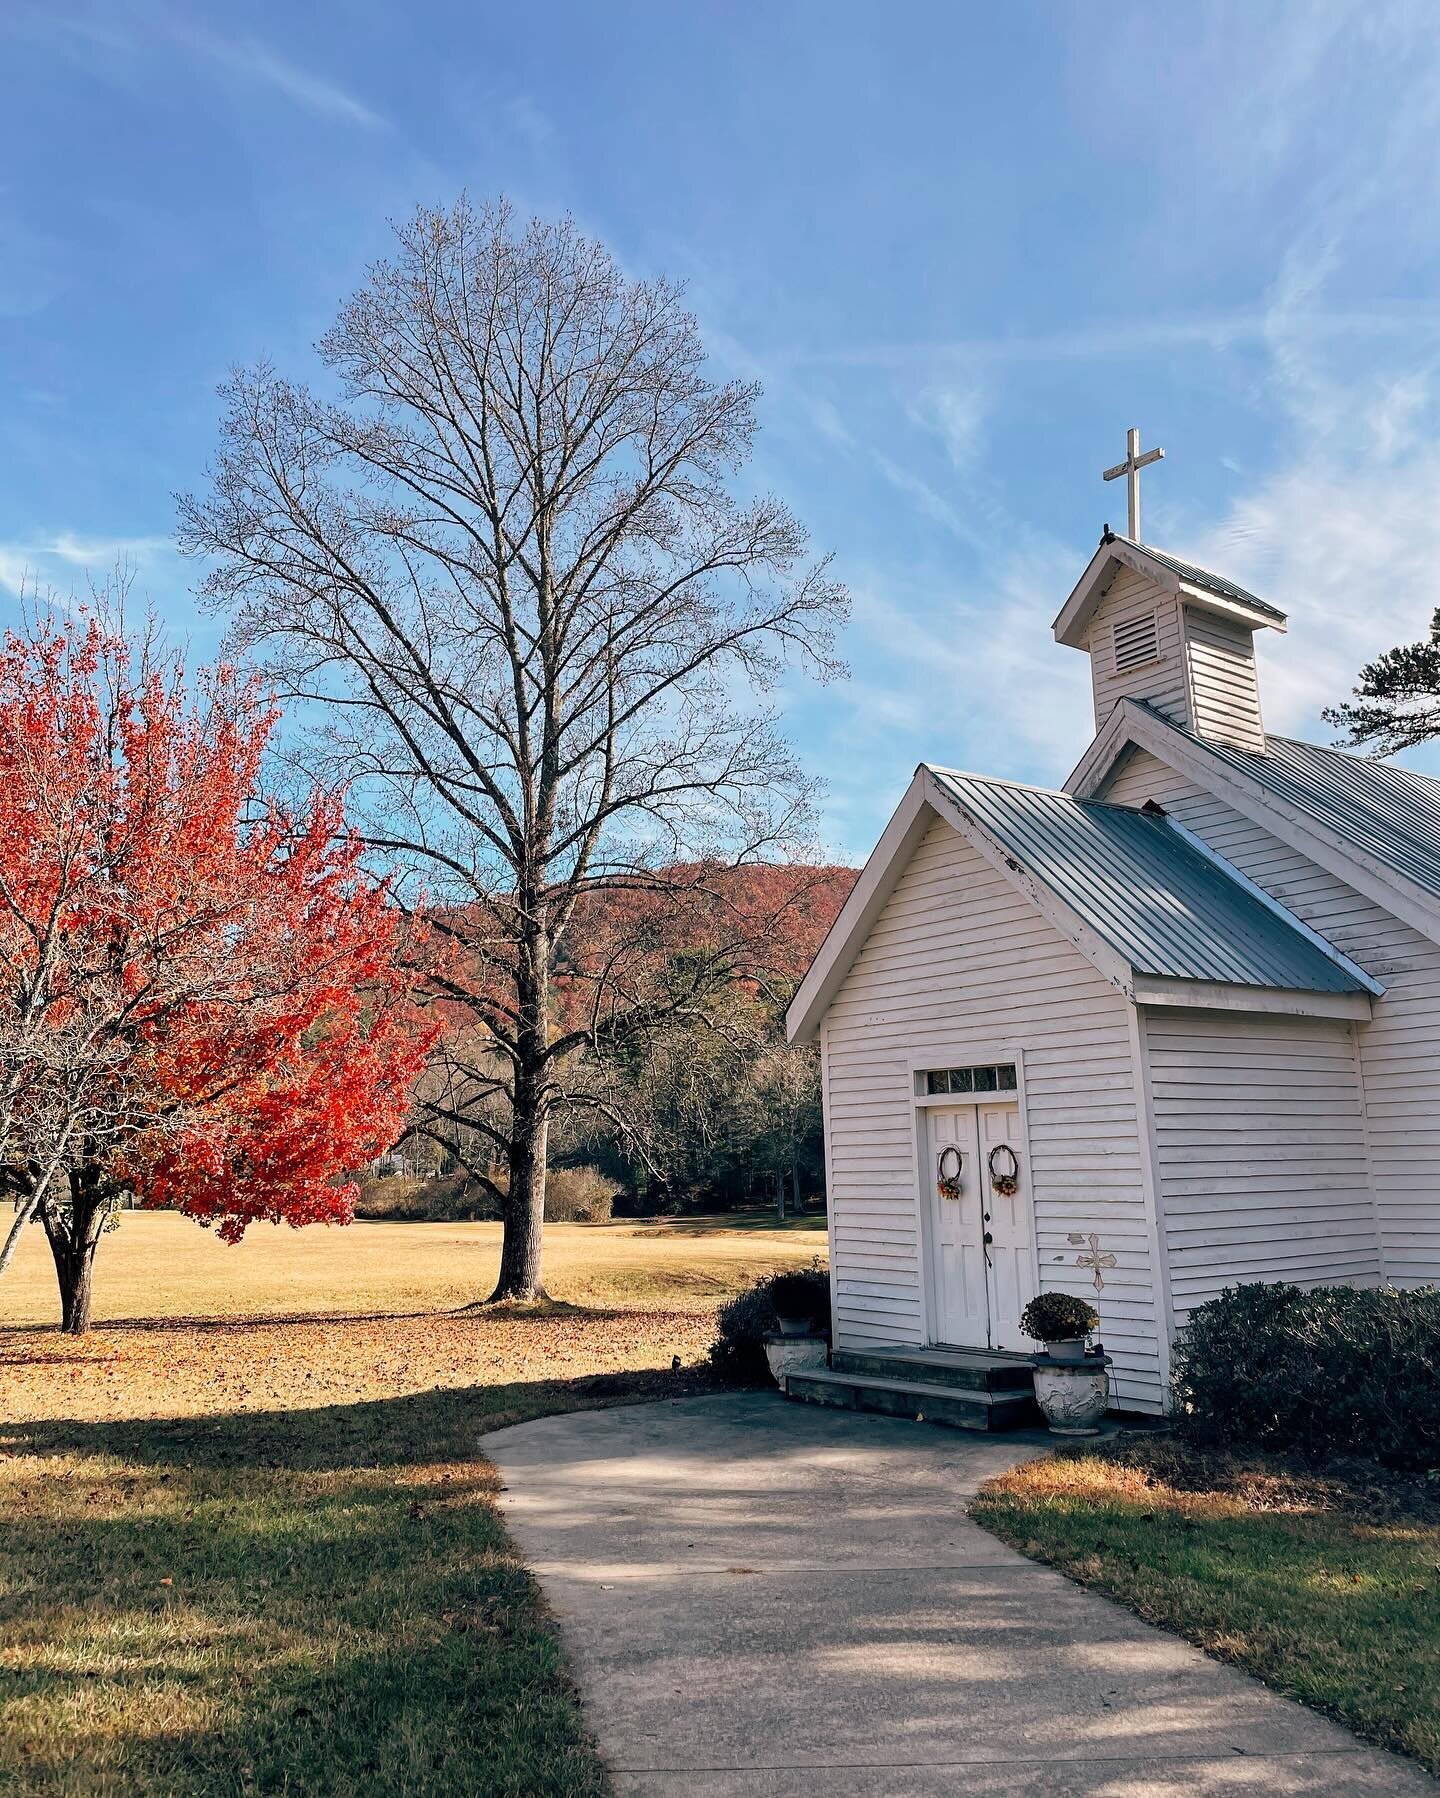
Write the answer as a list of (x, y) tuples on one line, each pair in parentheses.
[(1010, 1275), (957, 1231)]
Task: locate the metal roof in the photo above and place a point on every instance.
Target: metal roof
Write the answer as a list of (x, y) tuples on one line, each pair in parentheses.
[(1390, 813), (1201, 577), (1144, 888)]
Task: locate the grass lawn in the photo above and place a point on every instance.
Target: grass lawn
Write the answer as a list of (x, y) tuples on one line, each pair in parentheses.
[(246, 1542), (1326, 1586)]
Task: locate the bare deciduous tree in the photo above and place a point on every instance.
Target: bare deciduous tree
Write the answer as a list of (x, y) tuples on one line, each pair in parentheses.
[(509, 558)]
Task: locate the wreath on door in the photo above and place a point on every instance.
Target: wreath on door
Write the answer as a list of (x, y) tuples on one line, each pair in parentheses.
[(1004, 1167), (948, 1168)]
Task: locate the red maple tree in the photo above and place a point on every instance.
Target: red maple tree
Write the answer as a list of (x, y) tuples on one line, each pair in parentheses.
[(201, 1000)]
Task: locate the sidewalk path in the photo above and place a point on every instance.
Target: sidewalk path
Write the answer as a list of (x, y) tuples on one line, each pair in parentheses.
[(763, 1598)]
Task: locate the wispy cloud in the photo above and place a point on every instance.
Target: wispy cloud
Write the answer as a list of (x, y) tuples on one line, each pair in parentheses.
[(1349, 544), (1337, 520), (949, 669), (927, 500), (47, 562), (530, 123), (117, 41), (1126, 339), (248, 59), (955, 413), (1342, 530)]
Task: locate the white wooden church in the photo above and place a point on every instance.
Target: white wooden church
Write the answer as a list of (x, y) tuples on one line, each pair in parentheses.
[(1192, 999)]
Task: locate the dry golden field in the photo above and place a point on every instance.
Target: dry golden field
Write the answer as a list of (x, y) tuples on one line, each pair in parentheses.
[(186, 1324)]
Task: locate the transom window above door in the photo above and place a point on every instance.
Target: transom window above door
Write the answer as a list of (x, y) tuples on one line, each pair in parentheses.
[(990, 1077)]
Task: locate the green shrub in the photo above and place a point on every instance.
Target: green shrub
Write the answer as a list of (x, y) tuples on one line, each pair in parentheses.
[(573, 1195), (738, 1351), (448, 1199), (1058, 1317), (1330, 1372), (578, 1195)]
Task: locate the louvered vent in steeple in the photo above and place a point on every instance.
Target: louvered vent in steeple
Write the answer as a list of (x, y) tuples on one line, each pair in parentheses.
[(1137, 641)]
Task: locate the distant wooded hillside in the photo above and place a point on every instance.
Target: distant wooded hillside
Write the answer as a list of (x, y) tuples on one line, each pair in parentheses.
[(706, 1109)]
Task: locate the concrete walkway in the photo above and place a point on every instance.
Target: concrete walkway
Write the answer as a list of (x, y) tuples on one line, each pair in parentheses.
[(766, 1598)]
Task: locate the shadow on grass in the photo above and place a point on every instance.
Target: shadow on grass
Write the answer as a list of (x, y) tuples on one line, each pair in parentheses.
[(1321, 1582), (530, 1311), (301, 1600), (291, 1320), (720, 1223), (417, 1429)]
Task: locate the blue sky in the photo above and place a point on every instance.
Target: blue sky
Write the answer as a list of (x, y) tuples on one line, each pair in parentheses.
[(963, 247)]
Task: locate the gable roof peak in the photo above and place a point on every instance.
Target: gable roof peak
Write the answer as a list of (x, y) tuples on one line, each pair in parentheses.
[(1371, 822), (1137, 895), (1196, 585)]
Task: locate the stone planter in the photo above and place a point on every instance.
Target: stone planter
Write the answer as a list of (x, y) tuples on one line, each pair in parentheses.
[(789, 1354), (1072, 1392), (793, 1326)]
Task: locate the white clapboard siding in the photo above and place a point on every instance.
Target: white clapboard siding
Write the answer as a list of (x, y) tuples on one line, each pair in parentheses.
[(959, 960), (1162, 681), (1224, 686), (1260, 1153), (1399, 1048)]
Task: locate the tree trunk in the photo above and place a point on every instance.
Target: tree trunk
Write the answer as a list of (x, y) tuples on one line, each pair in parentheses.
[(27, 1204), (520, 1252), (524, 1227), (73, 1240), (25, 1208)]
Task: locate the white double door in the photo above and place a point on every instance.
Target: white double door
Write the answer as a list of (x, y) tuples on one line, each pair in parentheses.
[(982, 1242)]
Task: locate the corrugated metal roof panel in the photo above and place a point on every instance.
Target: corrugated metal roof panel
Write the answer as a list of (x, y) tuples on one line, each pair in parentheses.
[(1212, 583), (1152, 896), (1391, 813)]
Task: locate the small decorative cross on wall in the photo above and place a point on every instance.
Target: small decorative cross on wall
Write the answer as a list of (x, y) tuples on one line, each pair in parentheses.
[(1092, 1258)]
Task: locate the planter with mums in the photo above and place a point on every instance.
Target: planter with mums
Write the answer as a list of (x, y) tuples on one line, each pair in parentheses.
[(1072, 1387), (801, 1303)]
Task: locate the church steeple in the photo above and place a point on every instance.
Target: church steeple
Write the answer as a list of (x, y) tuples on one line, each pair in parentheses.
[(1171, 634)]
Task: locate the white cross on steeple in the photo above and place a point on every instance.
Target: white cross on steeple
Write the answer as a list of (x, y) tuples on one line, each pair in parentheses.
[(1130, 468)]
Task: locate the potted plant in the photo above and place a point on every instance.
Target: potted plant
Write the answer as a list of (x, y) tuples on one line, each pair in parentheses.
[(800, 1304), (1072, 1387), (801, 1301), (1061, 1322)]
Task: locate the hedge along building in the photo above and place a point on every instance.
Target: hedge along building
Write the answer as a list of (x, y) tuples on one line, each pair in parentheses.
[(1189, 1004)]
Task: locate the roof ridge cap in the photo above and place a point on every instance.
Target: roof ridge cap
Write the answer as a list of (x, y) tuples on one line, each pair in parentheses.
[(995, 780)]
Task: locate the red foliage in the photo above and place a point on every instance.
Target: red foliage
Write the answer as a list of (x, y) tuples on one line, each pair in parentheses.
[(221, 1019)]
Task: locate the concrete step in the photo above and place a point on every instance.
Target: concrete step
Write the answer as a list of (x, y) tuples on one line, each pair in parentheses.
[(960, 1408), (979, 1370)]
